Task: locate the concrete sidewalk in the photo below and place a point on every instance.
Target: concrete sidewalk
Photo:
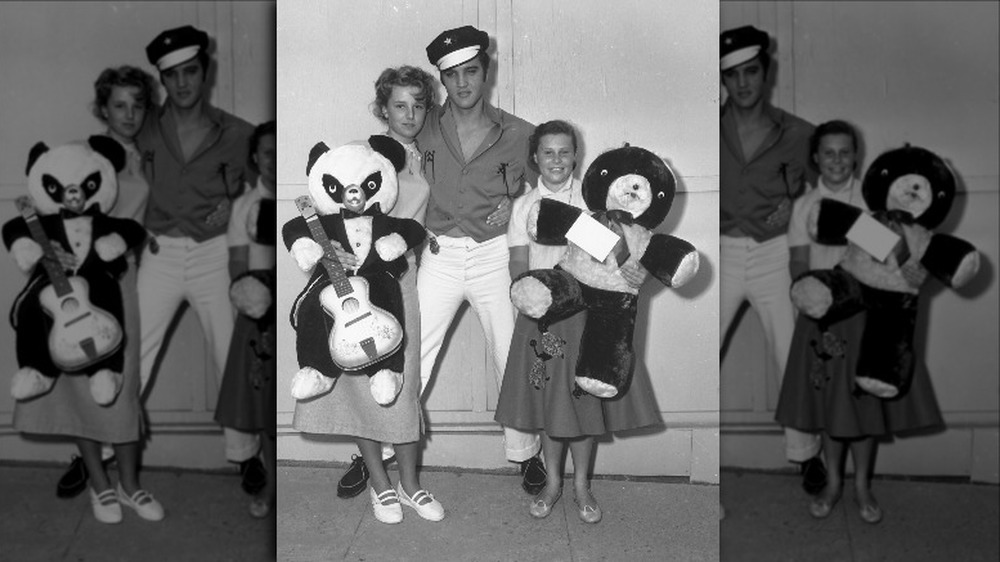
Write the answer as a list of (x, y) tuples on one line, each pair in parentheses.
[(487, 520), (767, 519), (206, 520)]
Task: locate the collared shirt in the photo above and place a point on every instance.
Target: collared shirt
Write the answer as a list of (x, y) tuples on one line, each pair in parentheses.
[(541, 256), (133, 190), (752, 187), (183, 193), (464, 193), (821, 256), (411, 202)]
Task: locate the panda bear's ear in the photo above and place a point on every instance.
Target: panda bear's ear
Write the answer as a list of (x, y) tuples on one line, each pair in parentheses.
[(110, 149), (39, 149), (390, 148), (319, 150)]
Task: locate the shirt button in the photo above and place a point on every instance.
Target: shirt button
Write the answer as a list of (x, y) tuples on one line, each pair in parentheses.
[(465, 172), (357, 244)]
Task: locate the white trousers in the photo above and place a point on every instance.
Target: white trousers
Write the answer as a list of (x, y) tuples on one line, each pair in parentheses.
[(758, 272), (197, 272), (466, 270)]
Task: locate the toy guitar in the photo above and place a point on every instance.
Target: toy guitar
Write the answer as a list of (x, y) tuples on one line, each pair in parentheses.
[(82, 334), (362, 333)]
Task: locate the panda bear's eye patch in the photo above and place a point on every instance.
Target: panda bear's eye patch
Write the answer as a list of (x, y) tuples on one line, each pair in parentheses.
[(51, 185), (372, 184), (333, 188), (92, 184)]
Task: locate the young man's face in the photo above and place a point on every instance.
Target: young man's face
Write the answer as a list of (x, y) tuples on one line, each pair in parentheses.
[(184, 83), (465, 83), (745, 83)]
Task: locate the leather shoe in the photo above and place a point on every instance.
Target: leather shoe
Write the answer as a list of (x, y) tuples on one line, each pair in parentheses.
[(355, 480), (813, 475), (254, 476), (386, 506), (423, 502), (589, 513), (870, 512), (820, 508), (74, 481), (533, 475)]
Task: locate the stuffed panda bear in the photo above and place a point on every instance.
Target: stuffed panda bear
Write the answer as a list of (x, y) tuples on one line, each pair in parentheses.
[(629, 191), (78, 310), (352, 188), (909, 191)]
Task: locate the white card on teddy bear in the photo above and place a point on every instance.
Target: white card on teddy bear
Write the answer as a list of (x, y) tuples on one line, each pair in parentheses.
[(873, 237), (592, 237)]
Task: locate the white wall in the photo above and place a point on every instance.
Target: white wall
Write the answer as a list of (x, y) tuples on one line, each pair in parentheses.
[(919, 72), (630, 71), (50, 55)]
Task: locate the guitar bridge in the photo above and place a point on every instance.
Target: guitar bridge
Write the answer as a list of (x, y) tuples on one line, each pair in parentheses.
[(89, 348), (368, 346)]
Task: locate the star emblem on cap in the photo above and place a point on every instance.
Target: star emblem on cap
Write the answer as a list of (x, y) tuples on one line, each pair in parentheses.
[(447, 40)]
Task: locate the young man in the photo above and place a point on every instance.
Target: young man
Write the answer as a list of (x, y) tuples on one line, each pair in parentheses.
[(763, 166), (195, 159), (475, 160)]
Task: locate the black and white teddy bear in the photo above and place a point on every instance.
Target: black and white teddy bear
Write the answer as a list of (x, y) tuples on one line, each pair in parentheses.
[(909, 192), (629, 191), (78, 310), (352, 188)]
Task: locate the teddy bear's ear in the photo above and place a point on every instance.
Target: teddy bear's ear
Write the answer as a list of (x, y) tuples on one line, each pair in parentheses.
[(39, 149), (390, 148), (110, 149), (319, 150)]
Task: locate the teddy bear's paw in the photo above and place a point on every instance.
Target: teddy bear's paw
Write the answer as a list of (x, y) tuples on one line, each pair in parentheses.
[(812, 297), (390, 247), (687, 269), (596, 387), (250, 297), (308, 383), (877, 387), (532, 297), (967, 269), (26, 253), (306, 253), (385, 386), (110, 247), (29, 383), (105, 386)]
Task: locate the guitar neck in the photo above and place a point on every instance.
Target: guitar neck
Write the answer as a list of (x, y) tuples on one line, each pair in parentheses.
[(50, 260), (334, 269)]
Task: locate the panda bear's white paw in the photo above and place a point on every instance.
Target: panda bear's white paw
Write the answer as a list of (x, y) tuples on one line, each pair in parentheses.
[(26, 253), (390, 246), (250, 297), (596, 387), (385, 386), (877, 387), (110, 247), (308, 383), (812, 297), (105, 386), (306, 253), (530, 296), (29, 383)]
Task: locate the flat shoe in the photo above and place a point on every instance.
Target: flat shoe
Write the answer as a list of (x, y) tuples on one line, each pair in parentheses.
[(870, 513), (105, 506), (821, 508), (259, 508), (74, 481), (589, 513), (431, 510), (355, 480), (386, 506), (540, 509), (143, 503)]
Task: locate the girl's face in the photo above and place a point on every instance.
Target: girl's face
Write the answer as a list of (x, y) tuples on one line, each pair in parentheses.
[(266, 158), (835, 157), (124, 112), (404, 113), (556, 158), (910, 193)]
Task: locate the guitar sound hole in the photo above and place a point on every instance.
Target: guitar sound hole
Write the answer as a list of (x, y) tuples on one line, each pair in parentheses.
[(351, 305), (70, 305)]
